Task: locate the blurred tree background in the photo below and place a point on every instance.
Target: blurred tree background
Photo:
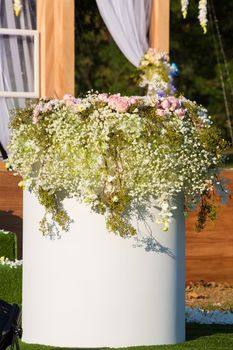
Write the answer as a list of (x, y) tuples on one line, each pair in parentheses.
[(101, 66)]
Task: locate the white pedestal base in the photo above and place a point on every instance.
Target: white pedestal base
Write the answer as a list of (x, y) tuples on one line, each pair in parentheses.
[(94, 289)]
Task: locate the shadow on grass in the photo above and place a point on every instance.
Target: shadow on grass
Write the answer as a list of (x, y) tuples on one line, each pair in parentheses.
[(195, 331), (11, 222)]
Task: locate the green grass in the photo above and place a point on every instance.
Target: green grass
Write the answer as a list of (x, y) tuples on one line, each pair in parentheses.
[(8, 245), (199, 337), (11, 284)]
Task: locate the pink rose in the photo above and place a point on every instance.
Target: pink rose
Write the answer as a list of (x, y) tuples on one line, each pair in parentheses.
[(112, 101), (166, 104), (120, 104), (160, 112), (180, 112), (175, 103)]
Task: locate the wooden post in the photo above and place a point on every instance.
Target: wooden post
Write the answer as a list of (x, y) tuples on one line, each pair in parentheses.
[(159, 25), (55, 22)]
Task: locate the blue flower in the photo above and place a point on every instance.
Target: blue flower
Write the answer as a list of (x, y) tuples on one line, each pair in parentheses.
[(174, 70)]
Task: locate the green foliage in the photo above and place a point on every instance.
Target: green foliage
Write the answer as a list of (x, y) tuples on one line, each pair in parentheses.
[(8, 245), (208, 210), (11, 284)]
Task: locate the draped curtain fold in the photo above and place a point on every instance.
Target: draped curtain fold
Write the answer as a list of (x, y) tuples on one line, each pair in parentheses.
[(16, 60), (128, 23)]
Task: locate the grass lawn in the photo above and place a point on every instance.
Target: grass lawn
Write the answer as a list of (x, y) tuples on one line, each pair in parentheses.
[(199, 337), (11, 284)]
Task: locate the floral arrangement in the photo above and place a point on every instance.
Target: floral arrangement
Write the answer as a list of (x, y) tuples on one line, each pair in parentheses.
[(156, 74), (202, 16), (118, 154)]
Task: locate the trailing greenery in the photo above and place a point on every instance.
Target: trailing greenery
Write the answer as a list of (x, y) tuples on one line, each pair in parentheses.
[(8, 245)]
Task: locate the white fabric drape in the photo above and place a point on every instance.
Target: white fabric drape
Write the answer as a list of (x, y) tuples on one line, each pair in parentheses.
[(16, 60), (128, 23)]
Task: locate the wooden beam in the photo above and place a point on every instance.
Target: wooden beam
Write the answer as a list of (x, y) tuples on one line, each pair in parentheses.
[(55, 22), (160, 25)]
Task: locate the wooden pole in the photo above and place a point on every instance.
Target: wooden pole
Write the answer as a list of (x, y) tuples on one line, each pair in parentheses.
[(55, 22), (160, 25)]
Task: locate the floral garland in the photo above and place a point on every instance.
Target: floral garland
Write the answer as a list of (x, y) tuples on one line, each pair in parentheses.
[(202, 6), (118, 154)]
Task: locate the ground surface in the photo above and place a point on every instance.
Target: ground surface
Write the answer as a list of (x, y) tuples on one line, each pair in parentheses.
[(210, 295), (199, 337)]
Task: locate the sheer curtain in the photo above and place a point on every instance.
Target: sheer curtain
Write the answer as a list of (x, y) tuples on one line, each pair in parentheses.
[(128, 23), (16, 60)]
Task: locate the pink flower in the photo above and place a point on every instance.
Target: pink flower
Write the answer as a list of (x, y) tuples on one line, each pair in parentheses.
[(102, 97), (69, 100), (166, 104), (35, 120), (37, 110), (68, 97), (133, 100), (180, 112), (120, 104), (160, 112), (175, 103)]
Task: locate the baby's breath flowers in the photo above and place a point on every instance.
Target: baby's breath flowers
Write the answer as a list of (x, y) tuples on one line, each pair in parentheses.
[(114, 152), (12, 264)]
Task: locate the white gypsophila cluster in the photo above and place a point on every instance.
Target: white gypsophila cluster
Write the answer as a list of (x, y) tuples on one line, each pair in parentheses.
[(202, 16), (184, 7), (4, 232), (86, 156), (12, 264), (153, 83)]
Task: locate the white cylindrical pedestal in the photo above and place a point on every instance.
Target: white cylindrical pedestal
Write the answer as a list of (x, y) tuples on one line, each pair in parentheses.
[(94, 289)]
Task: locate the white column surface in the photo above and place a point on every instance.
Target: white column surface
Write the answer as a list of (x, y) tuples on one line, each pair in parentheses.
[(94, 289)]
